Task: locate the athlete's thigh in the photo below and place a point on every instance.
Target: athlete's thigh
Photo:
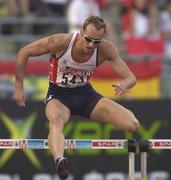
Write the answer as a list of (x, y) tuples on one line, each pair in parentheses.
[(55, 107), (109, 111)]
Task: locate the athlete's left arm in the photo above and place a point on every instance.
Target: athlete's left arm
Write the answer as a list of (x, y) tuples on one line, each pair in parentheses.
[(121, 68)]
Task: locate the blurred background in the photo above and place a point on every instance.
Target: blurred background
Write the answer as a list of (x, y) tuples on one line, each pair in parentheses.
[(141, 29)]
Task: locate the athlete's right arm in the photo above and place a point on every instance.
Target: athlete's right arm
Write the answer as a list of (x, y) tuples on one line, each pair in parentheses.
[(50, 44)]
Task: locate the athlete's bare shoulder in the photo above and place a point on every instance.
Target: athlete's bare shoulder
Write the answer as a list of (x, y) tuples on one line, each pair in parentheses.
[(51, 44), (60, 40), (107, 51)]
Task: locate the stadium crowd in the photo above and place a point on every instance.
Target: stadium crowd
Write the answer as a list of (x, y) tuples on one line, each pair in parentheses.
[(141, 29)]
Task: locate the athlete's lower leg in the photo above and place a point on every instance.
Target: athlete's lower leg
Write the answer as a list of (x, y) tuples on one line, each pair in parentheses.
[(56, 140), (56, 144)]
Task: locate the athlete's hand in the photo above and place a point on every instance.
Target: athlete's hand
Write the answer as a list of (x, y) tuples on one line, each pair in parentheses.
[(120, 88), (18, 97)]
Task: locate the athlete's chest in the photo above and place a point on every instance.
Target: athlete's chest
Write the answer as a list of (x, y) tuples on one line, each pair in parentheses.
[(71, 64)]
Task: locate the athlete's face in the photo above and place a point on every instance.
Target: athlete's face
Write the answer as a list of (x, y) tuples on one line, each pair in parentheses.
[(91, 38)]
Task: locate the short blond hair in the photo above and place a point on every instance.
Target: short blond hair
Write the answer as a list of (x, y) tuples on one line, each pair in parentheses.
[(97, 21)]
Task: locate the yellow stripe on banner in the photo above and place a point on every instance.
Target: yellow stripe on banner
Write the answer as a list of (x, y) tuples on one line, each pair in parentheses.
[(144, 89), (144, 178)]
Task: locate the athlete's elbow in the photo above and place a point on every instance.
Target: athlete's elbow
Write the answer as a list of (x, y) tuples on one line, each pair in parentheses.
[(23, 53)]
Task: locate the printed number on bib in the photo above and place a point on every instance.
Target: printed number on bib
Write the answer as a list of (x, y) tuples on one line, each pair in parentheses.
[(72, 79)]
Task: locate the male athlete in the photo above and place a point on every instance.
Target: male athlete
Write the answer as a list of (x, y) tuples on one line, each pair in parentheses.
[(73, 60)]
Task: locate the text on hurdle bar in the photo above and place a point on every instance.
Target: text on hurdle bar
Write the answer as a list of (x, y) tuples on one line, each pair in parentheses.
[(69, 144), (160, 143)]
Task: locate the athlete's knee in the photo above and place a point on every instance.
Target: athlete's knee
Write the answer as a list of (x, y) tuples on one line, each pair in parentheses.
[(133, 126), (133, 123), (56, 119)]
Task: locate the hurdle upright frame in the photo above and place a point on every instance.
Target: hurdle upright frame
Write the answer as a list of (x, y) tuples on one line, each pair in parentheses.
[(145, 146), (88, 144)]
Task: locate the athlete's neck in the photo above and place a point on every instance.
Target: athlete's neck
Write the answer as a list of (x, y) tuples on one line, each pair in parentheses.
[(79, 53)]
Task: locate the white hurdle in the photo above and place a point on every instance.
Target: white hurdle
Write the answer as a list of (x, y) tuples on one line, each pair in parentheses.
[(145, 146), (130, 145)]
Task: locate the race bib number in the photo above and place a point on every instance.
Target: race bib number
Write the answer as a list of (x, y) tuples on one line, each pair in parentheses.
[(73, 79)]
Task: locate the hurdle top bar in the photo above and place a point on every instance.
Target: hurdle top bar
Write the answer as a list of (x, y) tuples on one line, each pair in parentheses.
[(80, 144), (160, 143), (69, 144)]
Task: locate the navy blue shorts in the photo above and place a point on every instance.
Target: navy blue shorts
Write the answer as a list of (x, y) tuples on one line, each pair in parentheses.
[(80, 100)]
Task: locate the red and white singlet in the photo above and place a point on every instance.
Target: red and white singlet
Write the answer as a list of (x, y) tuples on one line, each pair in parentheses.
[(66, 72)]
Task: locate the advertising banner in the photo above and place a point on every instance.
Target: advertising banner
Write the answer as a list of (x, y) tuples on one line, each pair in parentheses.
[(94, 164)]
